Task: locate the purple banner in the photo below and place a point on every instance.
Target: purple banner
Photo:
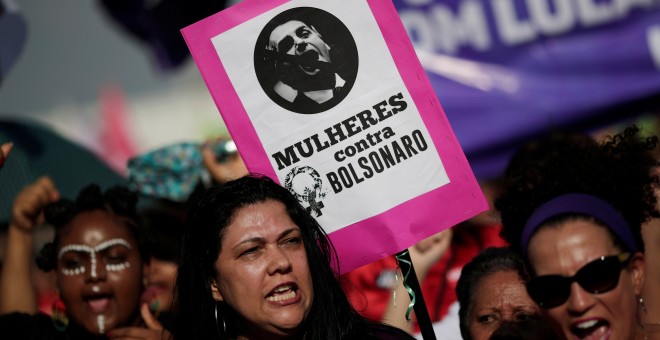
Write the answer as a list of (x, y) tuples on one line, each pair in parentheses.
[(505, 70)]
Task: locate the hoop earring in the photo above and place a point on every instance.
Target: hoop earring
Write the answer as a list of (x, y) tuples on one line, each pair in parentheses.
[(217, 324), (216, 315), (58, 315)]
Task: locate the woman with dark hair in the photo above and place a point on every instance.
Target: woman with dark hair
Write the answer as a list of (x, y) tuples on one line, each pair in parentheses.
[(98, 260), (256, 265), (574, 208), (493, 301)]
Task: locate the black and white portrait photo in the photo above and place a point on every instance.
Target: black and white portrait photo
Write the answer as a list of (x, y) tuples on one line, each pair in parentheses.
[(306, 60)]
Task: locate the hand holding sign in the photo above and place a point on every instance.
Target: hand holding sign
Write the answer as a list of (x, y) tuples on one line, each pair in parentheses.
[(374, 161), (428, 251)]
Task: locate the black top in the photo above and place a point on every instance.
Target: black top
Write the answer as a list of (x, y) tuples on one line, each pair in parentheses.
[(381, 331), (38, 327)]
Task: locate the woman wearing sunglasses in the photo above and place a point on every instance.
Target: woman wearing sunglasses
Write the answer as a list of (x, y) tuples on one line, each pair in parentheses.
[(573, 208)]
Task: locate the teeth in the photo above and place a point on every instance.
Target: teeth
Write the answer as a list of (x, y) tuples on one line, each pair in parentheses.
[(275, 298), (283, 288), (587, 324)]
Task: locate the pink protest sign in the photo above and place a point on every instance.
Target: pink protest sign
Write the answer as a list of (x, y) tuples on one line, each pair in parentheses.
[(329, 99)]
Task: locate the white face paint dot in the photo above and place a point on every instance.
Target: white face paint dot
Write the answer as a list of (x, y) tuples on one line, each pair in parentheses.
[(80, 248), (74, 247), (100, 320), (76, 271), (92, 262), (117, 267)]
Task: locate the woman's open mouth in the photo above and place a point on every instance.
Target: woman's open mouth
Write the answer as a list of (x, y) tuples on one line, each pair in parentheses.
[(591, 329), (283, 293), (98, 304)]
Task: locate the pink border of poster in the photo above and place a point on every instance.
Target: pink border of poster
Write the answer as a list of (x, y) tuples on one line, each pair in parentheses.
[(397, 228)]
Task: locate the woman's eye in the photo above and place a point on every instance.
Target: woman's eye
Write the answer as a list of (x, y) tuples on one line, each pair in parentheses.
[(115, 255), (250, 251), (115, 259), (72, 264), (487, 319), (293, 240)]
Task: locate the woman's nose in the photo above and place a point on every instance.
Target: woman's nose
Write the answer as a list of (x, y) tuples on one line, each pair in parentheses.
[(279, 261), (507, 330), (580, 300), (97, 270)]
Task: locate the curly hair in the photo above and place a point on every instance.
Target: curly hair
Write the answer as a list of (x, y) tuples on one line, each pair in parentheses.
[(489, 261), (200, 317), (117, 200), (618, 171)]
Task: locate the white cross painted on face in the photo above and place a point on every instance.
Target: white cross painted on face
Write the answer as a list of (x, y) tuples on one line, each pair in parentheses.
[(81, 248)]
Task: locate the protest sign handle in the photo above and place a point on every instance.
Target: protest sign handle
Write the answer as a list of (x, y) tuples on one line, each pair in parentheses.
[(422, 314)]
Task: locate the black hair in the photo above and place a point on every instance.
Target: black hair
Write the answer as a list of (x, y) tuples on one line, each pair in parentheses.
[(489, 261), (618, 171), (117, 200), (307, 15), (163, 226), (330, 317), (333, 31)]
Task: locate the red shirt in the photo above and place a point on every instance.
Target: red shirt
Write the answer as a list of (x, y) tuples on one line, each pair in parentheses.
[(370, 287)]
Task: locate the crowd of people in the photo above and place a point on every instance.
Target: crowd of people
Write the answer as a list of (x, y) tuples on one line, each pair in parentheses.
[(565, 252)]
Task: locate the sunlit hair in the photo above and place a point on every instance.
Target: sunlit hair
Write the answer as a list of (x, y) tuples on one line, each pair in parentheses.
[(489, 261), (618, 171), (331, 315), (118, 200)]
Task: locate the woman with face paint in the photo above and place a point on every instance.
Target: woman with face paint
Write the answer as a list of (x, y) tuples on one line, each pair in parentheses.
[(573, 208), (256, 265), (97, 259)]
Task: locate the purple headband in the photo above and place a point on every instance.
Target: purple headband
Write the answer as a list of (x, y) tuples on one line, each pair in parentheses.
[(581, 204)]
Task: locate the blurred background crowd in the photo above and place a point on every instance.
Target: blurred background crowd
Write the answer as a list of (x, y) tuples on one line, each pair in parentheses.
[(106, 92)]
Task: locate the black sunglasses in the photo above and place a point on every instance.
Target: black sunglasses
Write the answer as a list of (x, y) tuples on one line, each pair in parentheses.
[(598, 276)]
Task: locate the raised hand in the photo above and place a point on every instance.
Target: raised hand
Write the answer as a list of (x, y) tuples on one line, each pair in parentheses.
[(223, 171), (27, 211), (16, 294), (428, 251)]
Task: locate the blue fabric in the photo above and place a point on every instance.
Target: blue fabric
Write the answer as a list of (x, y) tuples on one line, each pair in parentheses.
[(579, 204), (170, 172), (173, 172)]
